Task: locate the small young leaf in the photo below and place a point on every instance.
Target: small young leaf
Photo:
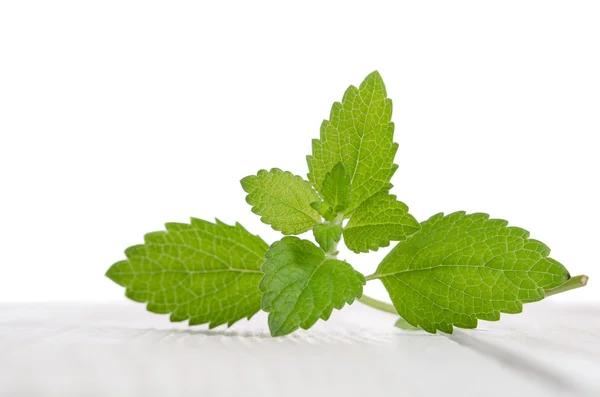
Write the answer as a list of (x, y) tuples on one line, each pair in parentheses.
[(324, 210), (204, 272), (301, 285), (459, 268), (360, 135), (336, 188), (327, 235), (378, 221), (282, 200)]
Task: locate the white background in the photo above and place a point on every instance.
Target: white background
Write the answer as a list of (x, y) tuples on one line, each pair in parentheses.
[(117, 116)]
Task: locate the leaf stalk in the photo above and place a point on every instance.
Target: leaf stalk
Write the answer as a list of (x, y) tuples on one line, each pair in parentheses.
[(572, 283), (372, 277), (377, 304)]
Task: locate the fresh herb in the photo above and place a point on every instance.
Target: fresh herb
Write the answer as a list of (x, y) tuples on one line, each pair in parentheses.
[(448, 271)]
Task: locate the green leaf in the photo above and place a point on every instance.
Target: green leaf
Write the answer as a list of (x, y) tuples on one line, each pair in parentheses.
[(204, 272), (324, 210), (282, 200), (460, 268), (336, 188), (359, 134), (378, 221), (327, 235), (301, 285)]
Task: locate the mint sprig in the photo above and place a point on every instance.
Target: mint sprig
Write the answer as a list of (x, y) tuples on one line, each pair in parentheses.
[(449, 271)]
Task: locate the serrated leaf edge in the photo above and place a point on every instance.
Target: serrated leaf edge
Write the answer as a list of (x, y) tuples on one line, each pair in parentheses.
[(172, 318), (496, 315)]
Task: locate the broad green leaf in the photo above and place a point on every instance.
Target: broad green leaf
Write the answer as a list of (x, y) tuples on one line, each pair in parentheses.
[(336, 188), (359, 134), (324, 210), (377, 221), (282, 200), (327, 235), (301, 285), (204, 272), (459, 268)]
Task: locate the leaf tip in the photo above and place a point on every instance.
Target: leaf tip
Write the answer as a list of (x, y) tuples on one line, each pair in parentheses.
[(375, 80), (374, 75), (113, 273), (248, 183)]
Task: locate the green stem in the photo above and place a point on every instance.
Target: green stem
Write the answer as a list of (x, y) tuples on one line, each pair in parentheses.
[(333, 252), (376, 304), (371, 277), (572, 283)]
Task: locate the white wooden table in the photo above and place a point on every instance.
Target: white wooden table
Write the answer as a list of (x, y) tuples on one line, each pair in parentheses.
[(119, 349)]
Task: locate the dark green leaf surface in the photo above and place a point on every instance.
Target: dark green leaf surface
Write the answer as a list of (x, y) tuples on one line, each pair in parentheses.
[(204, 272), (459, 268), (301, 285)]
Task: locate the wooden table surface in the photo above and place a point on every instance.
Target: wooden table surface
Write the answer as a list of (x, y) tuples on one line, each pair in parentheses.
[(118, 349)]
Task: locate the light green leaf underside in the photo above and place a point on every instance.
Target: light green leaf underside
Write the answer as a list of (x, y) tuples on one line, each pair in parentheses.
[(204, 272), (336, 188), (327, 235), (282, 200), (301, 285), (460, 268), (377, 221), (359, 133)]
